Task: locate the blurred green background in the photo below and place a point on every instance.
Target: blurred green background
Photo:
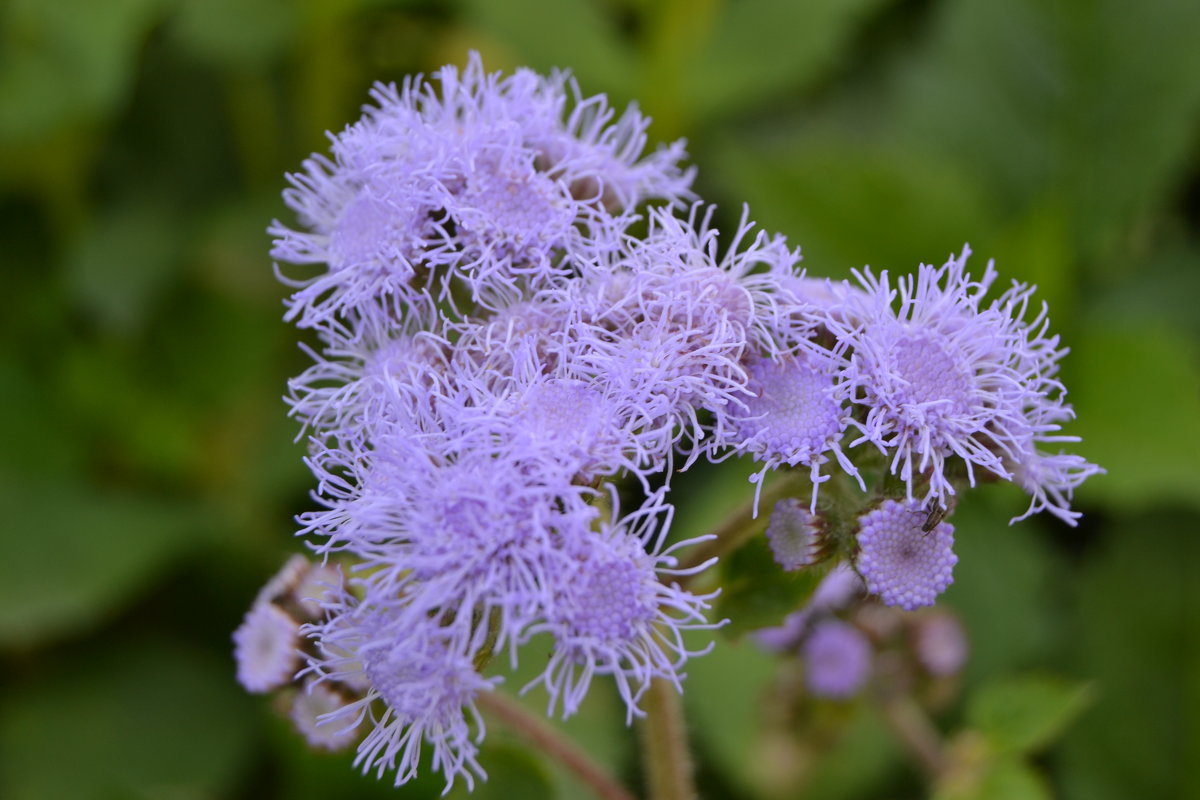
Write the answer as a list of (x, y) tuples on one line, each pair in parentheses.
[(148, 475)]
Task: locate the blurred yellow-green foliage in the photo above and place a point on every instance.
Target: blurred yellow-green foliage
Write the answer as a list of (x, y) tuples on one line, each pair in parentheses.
[(148, 475)]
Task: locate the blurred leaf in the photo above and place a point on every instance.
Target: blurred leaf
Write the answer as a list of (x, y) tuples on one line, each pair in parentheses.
[(1004, 779), (756, 50), (43, 442), (1037, 95), (74, 555), (232, 250), (67, 61), (756, 592), (237, 34), (851, 204), (1136, 78), (1002, 584), (598, 727), (141, 721), (1026, 714), (1136, 389), (122, 262), (545, 34), (985, 91), (863, 761), (724, 694), (511, 772), (1036, 249), (1136, 608)]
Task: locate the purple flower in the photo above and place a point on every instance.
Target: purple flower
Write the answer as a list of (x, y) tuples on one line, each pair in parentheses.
[(795, 535), (941, 644), (670, 324), (944, 377), (837, 659), (905, 566), (426, 690), (266, 648), (614, 612), (835, 591), (487, 182), (793, 416), (310, 712)]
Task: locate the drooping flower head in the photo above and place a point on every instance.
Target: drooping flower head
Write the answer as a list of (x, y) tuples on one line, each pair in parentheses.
[(420, 691), (795, 535), (903, 564)]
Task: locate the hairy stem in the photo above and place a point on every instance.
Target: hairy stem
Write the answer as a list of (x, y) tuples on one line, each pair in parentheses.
[(665, 753), (916, 732), (544, 737)]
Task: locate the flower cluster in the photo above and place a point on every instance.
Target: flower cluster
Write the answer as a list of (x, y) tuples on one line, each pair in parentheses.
[(522, 320), (841, 633)]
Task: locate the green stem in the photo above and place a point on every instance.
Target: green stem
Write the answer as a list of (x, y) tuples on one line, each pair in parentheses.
[(544, 737), (666, 757), (917, 733)]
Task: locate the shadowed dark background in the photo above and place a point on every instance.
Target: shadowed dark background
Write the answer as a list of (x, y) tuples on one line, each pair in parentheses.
[(148, 476)]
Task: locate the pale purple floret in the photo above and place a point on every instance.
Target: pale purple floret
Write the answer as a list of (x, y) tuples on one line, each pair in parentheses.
[(794, 534), (360, 371), (615, 611), (426, 688), (793, 415), (906, 566), (943, 376), (266, 648), (941, 644), (309, 714), (487, 181), (837, 660), (670, 322)]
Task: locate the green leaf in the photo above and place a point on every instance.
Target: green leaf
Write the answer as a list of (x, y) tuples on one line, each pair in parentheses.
[(584, 40), (1003, 779), (1026, 714), (123, 261), (848, 205), (1135, 383), (756, 592), (1134, 630), (724, 695), (74, 555), (756, 50), (1035, 96), (237, 34), (140, 721), (67, 61)]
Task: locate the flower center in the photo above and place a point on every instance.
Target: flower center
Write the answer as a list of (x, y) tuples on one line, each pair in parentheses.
[(933, 375)]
